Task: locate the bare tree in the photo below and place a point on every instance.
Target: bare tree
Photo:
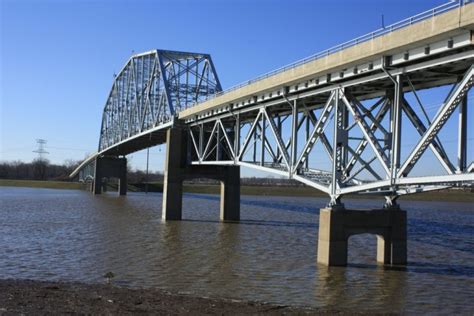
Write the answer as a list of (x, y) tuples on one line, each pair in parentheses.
[(40, 166)]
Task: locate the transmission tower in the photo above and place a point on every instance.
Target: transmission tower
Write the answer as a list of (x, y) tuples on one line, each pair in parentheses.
[(41, 151)]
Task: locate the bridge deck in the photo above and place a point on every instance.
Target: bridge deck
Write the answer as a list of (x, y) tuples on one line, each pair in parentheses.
[(445, 25)]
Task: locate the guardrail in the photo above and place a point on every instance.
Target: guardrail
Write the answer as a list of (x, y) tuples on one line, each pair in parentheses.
[(361, 39)]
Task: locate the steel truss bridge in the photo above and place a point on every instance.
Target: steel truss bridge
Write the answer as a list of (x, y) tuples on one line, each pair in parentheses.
[(349, 120)]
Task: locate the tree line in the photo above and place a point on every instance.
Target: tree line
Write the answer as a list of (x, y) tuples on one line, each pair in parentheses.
[(42, 169), (38, 169)]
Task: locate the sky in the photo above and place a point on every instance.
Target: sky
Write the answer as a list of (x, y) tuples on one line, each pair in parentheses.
[(58, 57)]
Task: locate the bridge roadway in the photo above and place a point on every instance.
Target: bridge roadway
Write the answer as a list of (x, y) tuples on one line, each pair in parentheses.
[(339, 121)]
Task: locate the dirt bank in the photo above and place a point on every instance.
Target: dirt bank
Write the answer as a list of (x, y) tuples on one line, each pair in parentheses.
[(39, 298)]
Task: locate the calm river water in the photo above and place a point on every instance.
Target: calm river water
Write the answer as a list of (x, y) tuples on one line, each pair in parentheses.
[(269, 256)]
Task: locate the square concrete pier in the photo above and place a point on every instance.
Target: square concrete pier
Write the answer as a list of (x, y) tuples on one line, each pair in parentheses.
[(110, 167), (336, 226), (177, 169)]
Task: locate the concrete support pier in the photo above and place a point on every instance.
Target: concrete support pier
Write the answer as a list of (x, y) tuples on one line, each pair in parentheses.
[(110, 167), (175, 163), (336, 226), (177, 170), (230, 194)]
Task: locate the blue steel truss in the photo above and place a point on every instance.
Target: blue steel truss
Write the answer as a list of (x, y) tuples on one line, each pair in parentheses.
[(151, 89)]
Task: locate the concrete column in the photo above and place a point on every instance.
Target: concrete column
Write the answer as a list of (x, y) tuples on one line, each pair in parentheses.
[(392, 248), (230, 195), (173, 174), (336, 226), (110, 167), (97, 184), (332, 241), (123, 179)]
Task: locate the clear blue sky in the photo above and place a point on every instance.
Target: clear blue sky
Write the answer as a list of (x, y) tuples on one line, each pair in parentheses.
[(58, 57)]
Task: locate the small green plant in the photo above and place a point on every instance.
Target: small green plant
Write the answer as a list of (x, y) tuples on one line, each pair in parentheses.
[(109, 276)]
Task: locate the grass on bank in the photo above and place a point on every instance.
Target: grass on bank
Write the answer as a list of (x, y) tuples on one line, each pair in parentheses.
[(442, 195), (42, 184)]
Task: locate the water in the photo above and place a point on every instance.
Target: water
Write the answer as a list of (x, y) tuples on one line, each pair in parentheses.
[(269, 256)]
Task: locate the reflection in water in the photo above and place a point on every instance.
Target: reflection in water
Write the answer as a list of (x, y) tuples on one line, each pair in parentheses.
[(338, 285), (270, 255)]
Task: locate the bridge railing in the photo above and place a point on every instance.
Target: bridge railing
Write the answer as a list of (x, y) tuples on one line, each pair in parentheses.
[(361, 39)]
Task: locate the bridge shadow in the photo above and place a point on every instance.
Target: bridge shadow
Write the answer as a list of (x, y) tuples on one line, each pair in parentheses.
[(255, 223), (447, 235), (441, 228), (422, 268), (420, 230), (266, 204)]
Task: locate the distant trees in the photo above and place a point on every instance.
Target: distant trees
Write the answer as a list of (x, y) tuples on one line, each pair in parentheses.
[(38, 169), (40, 166), (42, 169), (139, 176)]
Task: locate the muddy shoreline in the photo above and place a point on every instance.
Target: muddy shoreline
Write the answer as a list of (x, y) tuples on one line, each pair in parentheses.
[(40, 298)]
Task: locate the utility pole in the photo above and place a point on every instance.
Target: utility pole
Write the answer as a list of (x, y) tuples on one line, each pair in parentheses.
[(41, 150), (40, 165)]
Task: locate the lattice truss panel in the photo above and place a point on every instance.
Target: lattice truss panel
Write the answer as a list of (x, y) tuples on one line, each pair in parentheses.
[(151, 89), (340, 143)]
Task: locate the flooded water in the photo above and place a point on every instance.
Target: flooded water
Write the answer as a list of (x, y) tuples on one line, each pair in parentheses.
[(269, 256)]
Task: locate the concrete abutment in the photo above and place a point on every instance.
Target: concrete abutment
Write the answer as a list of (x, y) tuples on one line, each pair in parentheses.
[(177, 170), (336, 226)]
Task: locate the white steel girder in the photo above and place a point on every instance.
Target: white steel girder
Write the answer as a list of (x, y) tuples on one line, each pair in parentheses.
[(264, 128)]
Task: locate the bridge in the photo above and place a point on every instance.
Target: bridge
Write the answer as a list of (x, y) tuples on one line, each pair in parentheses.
[(348, 120)]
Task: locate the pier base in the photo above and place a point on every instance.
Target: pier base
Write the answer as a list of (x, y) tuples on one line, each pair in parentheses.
[(110, 167), (336, 226), (177, 170)]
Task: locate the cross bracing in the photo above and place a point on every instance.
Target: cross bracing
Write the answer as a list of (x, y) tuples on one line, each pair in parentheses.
[(343, 139)]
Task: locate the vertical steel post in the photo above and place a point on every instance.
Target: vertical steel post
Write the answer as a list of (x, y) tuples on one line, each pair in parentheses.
[(201, 141), (279, 133), (340, 144), (187, 83), (218, 138), (197, 79), (294, 135), (307, 138), (237, 139), (345, 140), (255, 143), (335, 175), (396, 123), (262, 136), (462, 135)]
